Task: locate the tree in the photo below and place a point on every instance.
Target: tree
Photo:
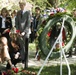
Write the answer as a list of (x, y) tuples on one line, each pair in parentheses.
[(53, 2), (68, 4), (43, 4)]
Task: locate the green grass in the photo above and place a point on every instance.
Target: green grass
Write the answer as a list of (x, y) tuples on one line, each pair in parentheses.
[(54, 70), (51, 70), (32, 46)]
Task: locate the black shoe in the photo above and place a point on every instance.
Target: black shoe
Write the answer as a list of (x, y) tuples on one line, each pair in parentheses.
[(69, 56)]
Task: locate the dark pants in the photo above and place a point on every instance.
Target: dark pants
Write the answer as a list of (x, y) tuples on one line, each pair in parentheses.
[(31, 37), (34, 35), (24, 50)]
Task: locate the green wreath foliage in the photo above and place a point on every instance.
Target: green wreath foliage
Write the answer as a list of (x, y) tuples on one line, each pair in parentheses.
[(45, 27)]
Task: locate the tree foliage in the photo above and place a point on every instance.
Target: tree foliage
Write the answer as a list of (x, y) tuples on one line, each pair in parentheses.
[(43, 4), (68, 4)]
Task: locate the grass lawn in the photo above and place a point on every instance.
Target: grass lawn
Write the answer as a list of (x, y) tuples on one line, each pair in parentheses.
[(51, 70), (32, 46), (54, 70), (47, 70)]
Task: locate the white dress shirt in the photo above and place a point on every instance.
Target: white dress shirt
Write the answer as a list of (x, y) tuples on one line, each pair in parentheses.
[(3, 22)]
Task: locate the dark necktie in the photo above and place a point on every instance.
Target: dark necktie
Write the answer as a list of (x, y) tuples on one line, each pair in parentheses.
[(21, 14)]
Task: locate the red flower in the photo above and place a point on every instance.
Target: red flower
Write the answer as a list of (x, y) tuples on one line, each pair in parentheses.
[(63, 44), (58, 10), (52, 13), (49, 33), (18, 31), (15, 70), (4, 73)]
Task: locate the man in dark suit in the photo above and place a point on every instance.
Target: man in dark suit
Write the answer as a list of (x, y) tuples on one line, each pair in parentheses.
[(23, 22), (37, 20)]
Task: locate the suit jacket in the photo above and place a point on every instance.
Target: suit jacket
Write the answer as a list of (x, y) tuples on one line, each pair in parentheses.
[(8, 22), (23, 23), (37, 22)]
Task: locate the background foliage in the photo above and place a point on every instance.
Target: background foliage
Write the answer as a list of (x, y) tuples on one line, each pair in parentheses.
[(13, 4)]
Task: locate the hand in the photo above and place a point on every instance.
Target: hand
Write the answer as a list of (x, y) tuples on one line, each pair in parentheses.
[(12, 66), (23, 33), (17, 55), (5, 31), (19, 34), (0, 60), (8, 20)]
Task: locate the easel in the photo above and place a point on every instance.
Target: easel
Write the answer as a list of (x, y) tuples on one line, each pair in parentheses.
[(62, 53)]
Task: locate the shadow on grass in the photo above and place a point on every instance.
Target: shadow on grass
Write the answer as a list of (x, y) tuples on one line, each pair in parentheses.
[(54, 70)]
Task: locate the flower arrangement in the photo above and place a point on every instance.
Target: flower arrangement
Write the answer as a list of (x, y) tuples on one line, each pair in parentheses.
[(12, 71), (26, 72), (53, 13), (15, 71), (56, 15)]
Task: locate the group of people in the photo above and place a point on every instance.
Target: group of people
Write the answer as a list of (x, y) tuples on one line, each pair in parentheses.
[(15, 33)]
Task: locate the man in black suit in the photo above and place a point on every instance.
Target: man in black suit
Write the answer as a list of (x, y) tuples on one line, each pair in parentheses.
[(23, 22)]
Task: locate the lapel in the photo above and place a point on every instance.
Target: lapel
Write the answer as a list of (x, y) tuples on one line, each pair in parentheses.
[(24, 14), (6, 22), (0, 22)]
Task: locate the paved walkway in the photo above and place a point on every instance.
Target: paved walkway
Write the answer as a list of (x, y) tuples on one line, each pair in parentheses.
[(35, 63)]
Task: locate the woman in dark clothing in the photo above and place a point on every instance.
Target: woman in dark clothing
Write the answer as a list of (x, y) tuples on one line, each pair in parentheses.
[(5, 23), (14, 51), (55, 33)]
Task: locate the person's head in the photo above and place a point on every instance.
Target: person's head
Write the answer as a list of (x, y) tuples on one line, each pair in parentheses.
[(22, 5), (37, 10), (12, 15), (15, 12), (15, 44), (4, 40), (4, 12), (14, 40), (13, 36), (58, 25)]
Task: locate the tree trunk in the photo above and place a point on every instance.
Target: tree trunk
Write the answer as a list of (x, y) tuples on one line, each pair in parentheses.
[(54, 3)]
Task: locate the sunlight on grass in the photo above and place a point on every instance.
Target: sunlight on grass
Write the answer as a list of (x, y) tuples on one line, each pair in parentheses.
[(32, 46), (54, 70)]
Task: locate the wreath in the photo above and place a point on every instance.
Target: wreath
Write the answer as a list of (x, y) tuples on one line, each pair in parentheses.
[(43, 39)]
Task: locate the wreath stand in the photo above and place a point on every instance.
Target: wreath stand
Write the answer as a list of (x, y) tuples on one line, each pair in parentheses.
[(62, 53)]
